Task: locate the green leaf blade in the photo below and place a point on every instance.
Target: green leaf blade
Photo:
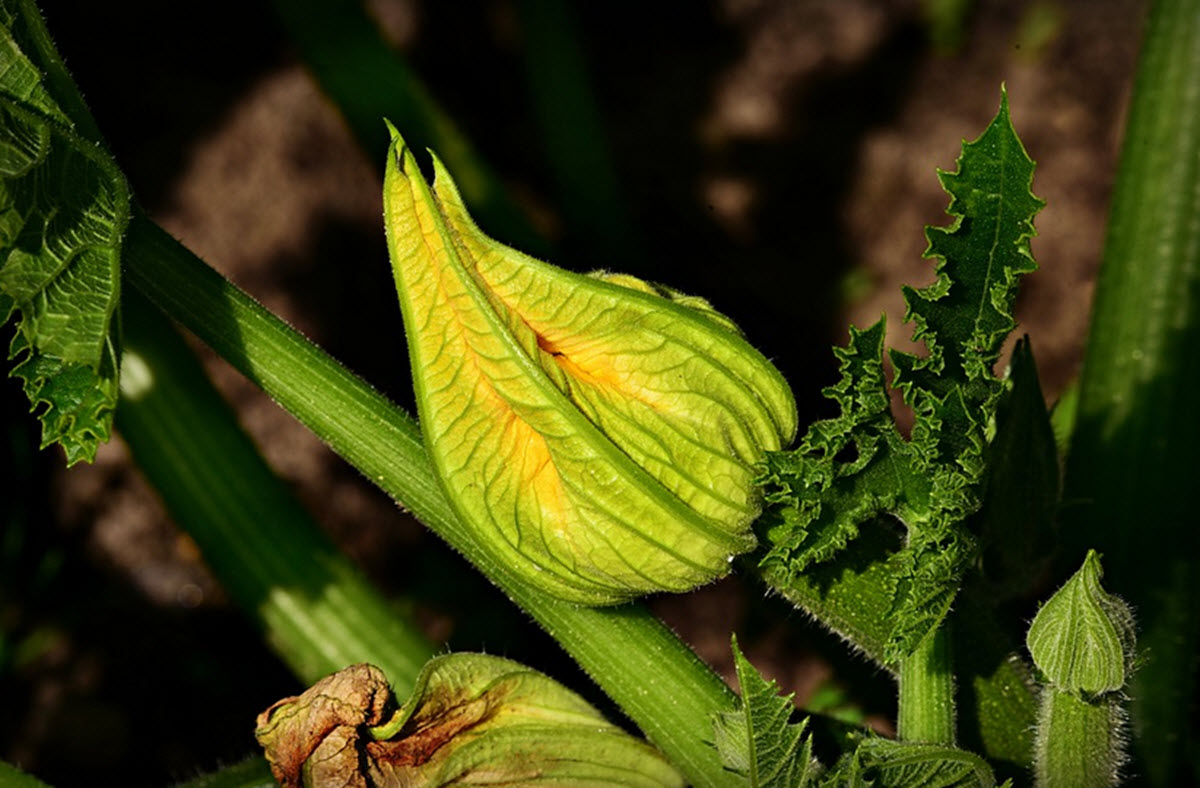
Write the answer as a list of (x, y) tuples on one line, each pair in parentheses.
[(1082, 638), (965, 316), (884, 763), (20, 77), (847, 471), (757, 741), (64, 207), (857, 468)]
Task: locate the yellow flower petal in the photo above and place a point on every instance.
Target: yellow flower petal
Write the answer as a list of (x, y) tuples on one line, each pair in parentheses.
[(599, 437)]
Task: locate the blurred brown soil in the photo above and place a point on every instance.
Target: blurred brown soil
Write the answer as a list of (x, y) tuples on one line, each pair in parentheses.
[(777, 157)]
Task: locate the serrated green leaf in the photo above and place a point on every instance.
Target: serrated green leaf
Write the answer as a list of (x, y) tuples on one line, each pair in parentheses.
[(934, 563), (857, 468), (826, 496), (965, 315), (64, 207), (20, 78), (884, 763), (757, 741)]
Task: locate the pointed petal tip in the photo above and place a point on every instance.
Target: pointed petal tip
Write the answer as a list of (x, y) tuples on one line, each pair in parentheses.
[(399, 151), (393, 133), (441, 175)]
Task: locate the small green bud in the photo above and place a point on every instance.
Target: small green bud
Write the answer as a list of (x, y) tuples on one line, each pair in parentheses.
[(598, 434), (472, 719), (1082, 641), (1082, 638)]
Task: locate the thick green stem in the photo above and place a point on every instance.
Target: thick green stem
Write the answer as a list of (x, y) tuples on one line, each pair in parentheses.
[(1079, 744), (658, 681), (314, 607), (926, 707), (1132, 458)]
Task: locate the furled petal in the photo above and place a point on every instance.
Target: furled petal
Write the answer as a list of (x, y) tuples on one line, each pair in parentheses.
[(600, 435)]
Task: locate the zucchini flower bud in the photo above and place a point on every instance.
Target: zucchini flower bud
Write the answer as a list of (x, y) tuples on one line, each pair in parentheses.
[(471, 720), (598, 434), (1083, 641)]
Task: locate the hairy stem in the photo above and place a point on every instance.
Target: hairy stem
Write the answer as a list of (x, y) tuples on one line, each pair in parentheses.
[(315, 609), (658, 681), (926, 707)]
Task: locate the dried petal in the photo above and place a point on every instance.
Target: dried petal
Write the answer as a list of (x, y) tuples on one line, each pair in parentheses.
[(472, 719)]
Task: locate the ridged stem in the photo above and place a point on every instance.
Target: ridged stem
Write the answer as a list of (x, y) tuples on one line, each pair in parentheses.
[(926, 682), (1132, 457), (655, 678), (314, 607), (1079, 744)]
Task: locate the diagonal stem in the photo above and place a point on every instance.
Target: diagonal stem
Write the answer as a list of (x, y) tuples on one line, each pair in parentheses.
[(655, 678)]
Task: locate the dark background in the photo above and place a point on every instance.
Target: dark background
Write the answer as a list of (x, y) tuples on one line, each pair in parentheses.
[(775, 157)]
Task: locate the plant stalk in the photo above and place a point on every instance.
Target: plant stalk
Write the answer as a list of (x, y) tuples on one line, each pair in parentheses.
[(1080, 744), (1132, 459), (926, 681), (315, 608), (655, 678)]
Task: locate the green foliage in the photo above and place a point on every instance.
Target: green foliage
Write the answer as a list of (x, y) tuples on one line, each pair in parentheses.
[(1016, 520), (857, 469), (1082, 638), (1082, 641), (310, 601), (64, 207), (757, 741), (871, 531), (883, 763), (1131, 470)]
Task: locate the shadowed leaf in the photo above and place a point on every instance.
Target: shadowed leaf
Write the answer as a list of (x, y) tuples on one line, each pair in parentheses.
[(64, 207)]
